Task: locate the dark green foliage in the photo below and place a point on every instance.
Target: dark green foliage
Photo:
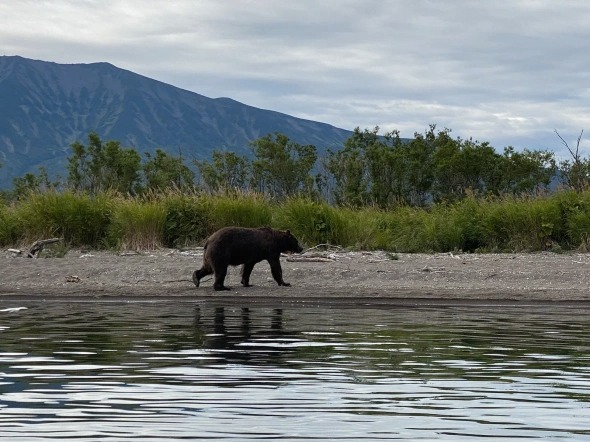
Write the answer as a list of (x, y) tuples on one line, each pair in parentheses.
[(526, 172), (432, 193), (463, 166), (281, 167), (11, 228), (80, 219), (576, 174), (560, 221), (516, 224), (432, 167), (384, 171), (187, 220), (347, 167), (228, 172), (575, 211), (312, 222), (239, 209), (31, 183), (163, 171), (99, 167)]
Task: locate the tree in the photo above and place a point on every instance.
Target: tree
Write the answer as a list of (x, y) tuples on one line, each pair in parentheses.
[(382, 170), (102, 166), (414, 168), (576, 174), (348, 168), (526, 172), (163, 171), (23, 186), (281, 167), (432, 167), (226, 172), (462, 166)]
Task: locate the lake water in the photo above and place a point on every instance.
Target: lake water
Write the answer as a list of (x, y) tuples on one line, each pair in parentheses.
[(180, 370)]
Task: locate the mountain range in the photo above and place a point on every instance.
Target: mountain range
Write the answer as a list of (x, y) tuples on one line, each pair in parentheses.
[(46, 106)]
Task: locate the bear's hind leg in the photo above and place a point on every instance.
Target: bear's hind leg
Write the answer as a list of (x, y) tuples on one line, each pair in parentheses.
[(201, 273)]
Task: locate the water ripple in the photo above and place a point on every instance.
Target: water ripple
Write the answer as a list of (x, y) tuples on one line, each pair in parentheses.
[(114, 372)]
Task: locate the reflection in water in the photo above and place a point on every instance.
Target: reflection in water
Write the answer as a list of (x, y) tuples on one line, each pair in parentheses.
[(120, 371)]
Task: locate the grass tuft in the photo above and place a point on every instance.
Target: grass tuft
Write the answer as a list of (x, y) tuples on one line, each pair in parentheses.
[(78, 218), (238, 209), (137, 224)]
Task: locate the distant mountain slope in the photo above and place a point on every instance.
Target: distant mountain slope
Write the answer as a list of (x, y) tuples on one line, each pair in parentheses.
[(45, 106)]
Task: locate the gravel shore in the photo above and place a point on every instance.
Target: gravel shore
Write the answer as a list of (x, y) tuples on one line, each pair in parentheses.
[(353, 277)]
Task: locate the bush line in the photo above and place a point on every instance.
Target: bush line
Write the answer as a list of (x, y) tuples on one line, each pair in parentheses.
[(558, 221)]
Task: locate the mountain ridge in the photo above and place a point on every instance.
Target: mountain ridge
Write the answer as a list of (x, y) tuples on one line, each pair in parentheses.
[(46, 106)]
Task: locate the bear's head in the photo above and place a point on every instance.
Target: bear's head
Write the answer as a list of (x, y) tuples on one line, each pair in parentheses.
[(290, 243)]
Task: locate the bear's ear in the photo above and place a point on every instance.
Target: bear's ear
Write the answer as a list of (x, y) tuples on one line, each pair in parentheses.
[(288, 232)]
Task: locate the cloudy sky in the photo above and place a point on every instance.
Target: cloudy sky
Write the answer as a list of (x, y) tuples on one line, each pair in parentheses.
[(504, 71)]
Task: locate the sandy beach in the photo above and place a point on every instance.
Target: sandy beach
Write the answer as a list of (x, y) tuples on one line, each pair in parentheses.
[(351, 277)]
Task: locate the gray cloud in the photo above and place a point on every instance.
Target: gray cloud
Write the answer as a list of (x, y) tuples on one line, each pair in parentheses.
[(508, 72)]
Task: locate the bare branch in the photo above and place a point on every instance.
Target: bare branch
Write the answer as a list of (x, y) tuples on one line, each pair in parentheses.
[(579, 139), (576, 155)]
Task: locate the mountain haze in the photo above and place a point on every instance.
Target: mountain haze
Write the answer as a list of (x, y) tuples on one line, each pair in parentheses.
[(46, 106)]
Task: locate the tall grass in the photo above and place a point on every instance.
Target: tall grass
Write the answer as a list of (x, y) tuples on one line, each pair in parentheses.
[(522, 224), (137, 224), (11, 231), (319, 223), (187, 219), (559, 221), (78, 218), (575, 211), (313, 223), (238, 209), (441, 228)]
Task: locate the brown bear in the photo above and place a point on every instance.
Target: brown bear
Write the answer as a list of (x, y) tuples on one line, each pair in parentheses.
[(247, 246)]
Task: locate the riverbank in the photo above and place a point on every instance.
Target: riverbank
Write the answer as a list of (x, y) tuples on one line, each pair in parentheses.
[(350, 276)]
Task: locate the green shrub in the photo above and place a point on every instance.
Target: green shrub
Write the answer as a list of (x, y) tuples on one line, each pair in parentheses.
[(459, 226), (575, 209), (187, 220), (174, 219), (313, 223), (11, 228), (441, 228), (360, 228), (238, 209), (137, 224), (80, 219), (523, 224)]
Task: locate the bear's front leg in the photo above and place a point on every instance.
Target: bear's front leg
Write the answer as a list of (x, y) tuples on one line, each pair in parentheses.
[(277, 272)]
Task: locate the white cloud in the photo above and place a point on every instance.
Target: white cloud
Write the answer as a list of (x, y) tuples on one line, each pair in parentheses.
[(508, 71)]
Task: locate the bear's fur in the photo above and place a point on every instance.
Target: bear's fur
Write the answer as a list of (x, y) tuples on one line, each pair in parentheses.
[(247, 246)]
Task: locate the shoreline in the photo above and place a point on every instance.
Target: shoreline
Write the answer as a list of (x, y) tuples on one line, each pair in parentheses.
[(342, 278)]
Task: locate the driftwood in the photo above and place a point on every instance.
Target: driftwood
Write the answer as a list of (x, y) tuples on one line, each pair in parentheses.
[(308, 259), (312, 255), (37, 246), (325, 247)]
